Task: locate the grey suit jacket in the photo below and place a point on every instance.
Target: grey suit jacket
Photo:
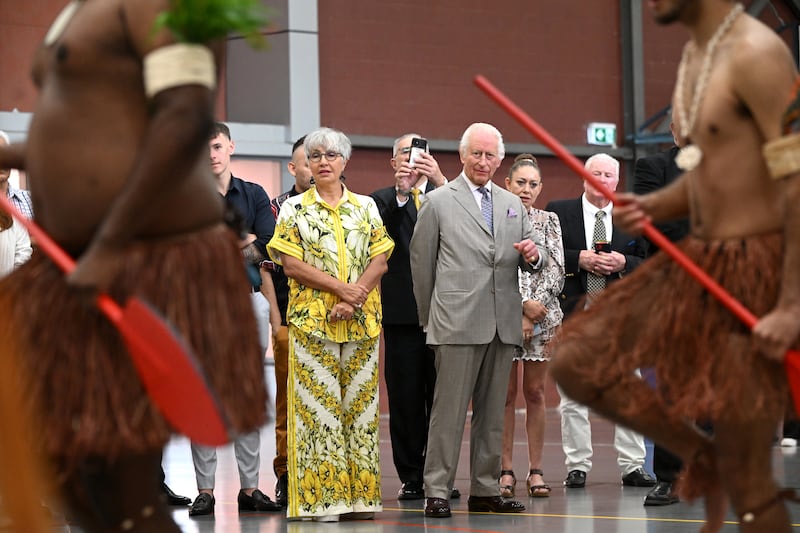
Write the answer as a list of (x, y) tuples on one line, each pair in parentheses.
[(465, 279)]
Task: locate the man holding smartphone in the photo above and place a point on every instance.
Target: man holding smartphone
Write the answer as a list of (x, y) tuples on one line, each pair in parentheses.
[(409, 365), (596, 253)]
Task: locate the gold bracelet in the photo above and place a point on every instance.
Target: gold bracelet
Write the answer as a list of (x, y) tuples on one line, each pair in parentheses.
[(782, 156)]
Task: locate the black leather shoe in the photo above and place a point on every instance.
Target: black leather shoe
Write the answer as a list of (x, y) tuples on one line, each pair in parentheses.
[(411, 490), (661, 494), (258, 502), (282, 491), (203, 504), (638, 478), (437, 508), (576, 479), (493, 504), (172, 498), (454, 494)]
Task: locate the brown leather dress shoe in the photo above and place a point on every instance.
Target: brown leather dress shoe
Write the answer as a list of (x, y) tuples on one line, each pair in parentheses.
[(437, 508), (493, 504)]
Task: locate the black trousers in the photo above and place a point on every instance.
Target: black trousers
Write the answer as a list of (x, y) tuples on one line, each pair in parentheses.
[(667, 465), (410, 376)]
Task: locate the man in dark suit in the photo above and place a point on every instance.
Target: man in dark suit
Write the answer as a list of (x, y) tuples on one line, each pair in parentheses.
[(652, 173), (585, 221), (409, 363)]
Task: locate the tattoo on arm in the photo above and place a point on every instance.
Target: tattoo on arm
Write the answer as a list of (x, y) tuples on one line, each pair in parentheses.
[(252, 254)]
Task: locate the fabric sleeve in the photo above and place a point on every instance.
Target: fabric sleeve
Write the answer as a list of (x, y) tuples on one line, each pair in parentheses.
[(551, 278), (379, 240), (286, 239)]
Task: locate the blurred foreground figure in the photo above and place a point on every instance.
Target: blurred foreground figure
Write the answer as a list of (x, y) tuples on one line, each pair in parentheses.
[(732, 88), (117, 160)]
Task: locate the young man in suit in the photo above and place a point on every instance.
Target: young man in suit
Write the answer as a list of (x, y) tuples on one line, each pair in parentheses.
[(408, 367), (470, 238), (587, 271)]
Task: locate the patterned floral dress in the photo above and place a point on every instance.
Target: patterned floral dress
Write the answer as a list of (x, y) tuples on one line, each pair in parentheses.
[(544, 285), (332, 409)]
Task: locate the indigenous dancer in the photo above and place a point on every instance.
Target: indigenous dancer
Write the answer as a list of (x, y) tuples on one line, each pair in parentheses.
[(118, 165), (733, 83)]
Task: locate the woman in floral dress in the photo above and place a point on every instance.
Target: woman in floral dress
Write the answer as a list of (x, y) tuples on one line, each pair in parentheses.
[(541, 315), (334, 249)]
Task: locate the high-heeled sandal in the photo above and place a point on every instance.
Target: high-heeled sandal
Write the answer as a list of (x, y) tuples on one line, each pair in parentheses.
[(537, 491), (507, 491)]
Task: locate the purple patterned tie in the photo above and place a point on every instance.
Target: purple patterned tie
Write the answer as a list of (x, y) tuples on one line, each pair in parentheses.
[(486, 207)]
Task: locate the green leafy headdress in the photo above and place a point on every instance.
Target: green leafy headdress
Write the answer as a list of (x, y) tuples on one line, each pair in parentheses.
[(201, 21)]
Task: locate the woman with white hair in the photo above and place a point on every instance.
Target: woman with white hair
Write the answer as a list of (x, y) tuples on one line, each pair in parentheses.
[(334, 249)]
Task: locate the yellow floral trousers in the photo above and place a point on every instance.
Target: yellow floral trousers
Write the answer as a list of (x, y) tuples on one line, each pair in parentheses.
[(333, 448)]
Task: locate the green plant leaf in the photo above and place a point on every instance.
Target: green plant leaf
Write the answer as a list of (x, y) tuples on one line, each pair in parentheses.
[(201, 21)]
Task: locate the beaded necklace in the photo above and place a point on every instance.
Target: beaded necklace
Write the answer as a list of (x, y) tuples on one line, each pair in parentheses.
[(690, 155)]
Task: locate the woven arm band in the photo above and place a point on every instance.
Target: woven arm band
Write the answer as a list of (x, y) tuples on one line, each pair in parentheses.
[(783, 156)]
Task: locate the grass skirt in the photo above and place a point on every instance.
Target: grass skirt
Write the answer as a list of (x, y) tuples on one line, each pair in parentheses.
[(704, 357), (77, 373)]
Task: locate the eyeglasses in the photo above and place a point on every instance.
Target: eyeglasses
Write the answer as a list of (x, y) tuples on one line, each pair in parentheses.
[(316, 157)]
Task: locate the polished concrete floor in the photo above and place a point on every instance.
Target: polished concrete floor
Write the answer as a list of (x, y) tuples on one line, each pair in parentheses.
[(604, 506)]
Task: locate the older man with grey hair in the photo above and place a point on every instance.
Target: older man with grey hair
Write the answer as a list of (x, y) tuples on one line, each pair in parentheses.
[(470, 238), (596, 253)]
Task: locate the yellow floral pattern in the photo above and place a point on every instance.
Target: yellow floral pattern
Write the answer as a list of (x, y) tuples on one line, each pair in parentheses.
[(334, 464), (339, 241)]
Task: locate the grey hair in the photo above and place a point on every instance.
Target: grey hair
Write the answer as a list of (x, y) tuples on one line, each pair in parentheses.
[(397, 141), (604, 157), (328, 139), (475, 126), (4, 136)]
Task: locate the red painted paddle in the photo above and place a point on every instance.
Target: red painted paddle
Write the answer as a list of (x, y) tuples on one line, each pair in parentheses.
[(792, 359), (165, 364)]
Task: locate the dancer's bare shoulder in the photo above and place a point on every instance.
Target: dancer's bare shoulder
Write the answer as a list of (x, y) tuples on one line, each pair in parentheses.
[(763, 73)]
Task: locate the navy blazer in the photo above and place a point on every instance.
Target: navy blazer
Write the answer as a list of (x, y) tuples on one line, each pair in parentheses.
[(397, 289), (570, 215)]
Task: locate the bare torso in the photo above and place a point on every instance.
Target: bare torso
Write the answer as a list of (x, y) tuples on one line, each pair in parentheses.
[(89, 126), (730, 192)]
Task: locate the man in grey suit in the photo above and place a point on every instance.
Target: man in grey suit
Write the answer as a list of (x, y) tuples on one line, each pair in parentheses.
[(470, 238)]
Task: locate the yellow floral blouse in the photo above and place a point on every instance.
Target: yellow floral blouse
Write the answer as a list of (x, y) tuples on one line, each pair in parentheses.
[(340, 241)]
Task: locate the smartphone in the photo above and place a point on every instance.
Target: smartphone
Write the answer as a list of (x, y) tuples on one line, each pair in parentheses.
[(602, 246), (417, 146)]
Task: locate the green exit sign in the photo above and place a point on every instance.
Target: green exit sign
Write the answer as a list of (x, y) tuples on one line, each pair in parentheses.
[(601, 133)]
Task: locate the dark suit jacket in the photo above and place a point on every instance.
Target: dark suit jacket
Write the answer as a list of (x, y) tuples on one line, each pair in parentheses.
[(652, 173), (570, 215), (397, 290)]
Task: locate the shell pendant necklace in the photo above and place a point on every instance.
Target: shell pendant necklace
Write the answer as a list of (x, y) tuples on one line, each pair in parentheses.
[(690, 155)]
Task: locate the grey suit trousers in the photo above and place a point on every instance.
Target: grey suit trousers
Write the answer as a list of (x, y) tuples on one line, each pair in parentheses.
[(464, 372), (246, 447)]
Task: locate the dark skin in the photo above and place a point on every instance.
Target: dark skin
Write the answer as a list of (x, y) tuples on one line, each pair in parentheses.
[(108, 167), (100, 184), (730, 195)]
